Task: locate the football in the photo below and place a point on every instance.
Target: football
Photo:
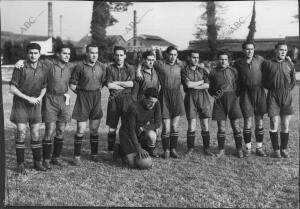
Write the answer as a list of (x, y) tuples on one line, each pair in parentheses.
[(143, 163)]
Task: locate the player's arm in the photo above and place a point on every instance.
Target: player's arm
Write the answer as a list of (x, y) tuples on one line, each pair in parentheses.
[(73, 82), (132, 133), (113, 85), (124, 84)]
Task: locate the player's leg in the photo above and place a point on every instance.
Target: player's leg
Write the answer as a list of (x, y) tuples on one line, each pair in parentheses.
[(58, 142), (47, 143), (94, 138), (81, 126), (36, 146), (148, 142), (20, 147), (238, 138), (284, 135), (174, 136), (165, 137), (204, 122), (221, 137), (191, 135), (274, 124), (247, 133), (259, 135)]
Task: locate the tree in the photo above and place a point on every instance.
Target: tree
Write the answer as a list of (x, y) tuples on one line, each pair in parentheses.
[(102, 18), (209, 24), (252, 25)]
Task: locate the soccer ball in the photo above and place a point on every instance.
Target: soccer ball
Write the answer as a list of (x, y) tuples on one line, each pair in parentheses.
[(143, 163)]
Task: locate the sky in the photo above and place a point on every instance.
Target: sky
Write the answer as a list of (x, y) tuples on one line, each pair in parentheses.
[(173, 21)]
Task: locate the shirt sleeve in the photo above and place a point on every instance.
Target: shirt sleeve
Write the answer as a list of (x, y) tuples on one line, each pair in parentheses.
[(109, 74), (205, 76), (103, 79), (265, 71), (211, 89), (16, 77), (75, 75), (131, 119)]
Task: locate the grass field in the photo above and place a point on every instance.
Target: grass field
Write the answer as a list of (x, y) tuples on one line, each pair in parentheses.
[(196, 181)]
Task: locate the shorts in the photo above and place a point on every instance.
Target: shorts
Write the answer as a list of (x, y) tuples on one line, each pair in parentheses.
[(279, 103), (118, 107), (171, 102), (55, 109), (227, 104), (87, 106), (197, 103), (127, 145), (253, 102), (24, 112)]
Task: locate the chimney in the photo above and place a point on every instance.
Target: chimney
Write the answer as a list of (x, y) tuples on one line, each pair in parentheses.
[(60, 26), (50, 20), (134, 28)]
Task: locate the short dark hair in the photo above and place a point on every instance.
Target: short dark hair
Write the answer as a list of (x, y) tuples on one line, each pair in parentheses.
[(33, 46), (193, 51), (148, 53), (170, 48), (280, 43), (224, 52), (91, 45), (246, 43), (151, 92), (62, 46), (117, 48)]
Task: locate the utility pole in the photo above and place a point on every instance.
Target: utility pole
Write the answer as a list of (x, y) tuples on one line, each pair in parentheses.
[(134, 28), (60, 26)]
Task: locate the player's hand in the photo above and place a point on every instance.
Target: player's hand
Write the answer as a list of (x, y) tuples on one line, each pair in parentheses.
[(19, 64), (33, 100), (142, 153), (67, 98), (138, 73)]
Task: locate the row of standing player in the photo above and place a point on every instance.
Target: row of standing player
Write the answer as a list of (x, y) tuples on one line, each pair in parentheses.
[(90, 76)]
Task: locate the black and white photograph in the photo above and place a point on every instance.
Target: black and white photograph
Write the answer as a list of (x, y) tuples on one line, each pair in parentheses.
[(189, 104)]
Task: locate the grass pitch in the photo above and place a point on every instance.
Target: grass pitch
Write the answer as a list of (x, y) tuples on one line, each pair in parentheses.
[(196, 181)]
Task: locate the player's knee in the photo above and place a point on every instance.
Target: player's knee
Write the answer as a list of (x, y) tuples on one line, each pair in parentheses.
[(151, 138), (94, 131), (21, 135), (35, 136), (80, 131), (247, 123)]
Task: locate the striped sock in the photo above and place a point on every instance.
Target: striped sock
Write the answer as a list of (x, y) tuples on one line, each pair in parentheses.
[(274, 140), (57, 147), (190, 139), (174, 140), (20, 152), (247, 138), (47, 145), (94, 144), (206, 139), (238, 138), (165, 139), (284, 140), (77, 145), (36, 148), (221, 139)]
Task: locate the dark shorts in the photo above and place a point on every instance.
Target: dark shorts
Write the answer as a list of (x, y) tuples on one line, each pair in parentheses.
[(197, 103), (126, 144), (24, 112), (279, 103), (117, 108), (54, 109), (253, 102), (227, 104), (87, 106), (171, 102)]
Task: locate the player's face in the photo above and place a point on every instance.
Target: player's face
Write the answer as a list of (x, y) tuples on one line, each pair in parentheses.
[(92, 54), (150, 102), (64, 55), (249, 50), (223, 61), (194, 57), (281, 52), (172, 56), (33, 55), (120, 57), (150, 61)]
